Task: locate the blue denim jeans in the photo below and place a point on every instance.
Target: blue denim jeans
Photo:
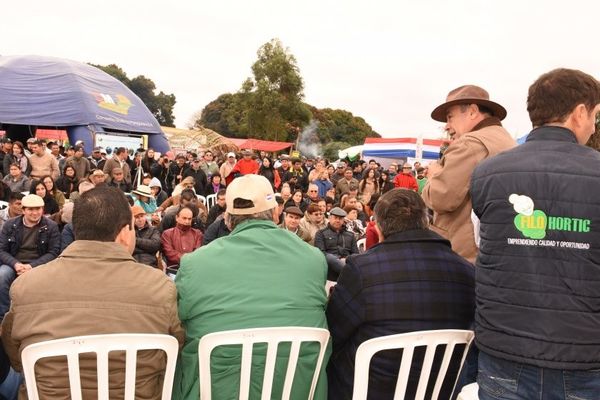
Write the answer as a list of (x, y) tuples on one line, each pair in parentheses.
[(508, 380), (7, 276)]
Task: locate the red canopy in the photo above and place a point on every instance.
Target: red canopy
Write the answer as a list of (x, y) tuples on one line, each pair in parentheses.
[(265, 145), (54, 134)]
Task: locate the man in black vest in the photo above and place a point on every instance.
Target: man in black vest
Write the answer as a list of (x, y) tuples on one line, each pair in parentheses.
[(538, 269)]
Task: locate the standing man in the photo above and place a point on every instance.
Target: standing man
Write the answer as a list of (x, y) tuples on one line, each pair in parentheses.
[(6, 148), (95, 287), (411, 281), (343, 186), (96, 160), (209, 166), (473, 122), (537, 272), (118, 160), (281, 284), (42, 163), (79, 163), (196, 171), (26, 241)]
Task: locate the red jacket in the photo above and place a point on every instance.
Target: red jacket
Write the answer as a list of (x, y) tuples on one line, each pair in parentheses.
[(177, 242), (406, 181), (372, 235), (245, 167)]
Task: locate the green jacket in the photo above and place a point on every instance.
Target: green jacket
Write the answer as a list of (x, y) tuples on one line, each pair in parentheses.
[(258, 276)]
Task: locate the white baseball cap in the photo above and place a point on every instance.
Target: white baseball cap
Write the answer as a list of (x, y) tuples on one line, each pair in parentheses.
[(255, 188)]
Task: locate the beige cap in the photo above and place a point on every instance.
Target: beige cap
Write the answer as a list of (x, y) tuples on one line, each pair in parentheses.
[(32, 200), (254, 188)]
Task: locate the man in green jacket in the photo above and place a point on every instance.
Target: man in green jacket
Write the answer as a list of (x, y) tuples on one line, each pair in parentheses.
[(258, 276)]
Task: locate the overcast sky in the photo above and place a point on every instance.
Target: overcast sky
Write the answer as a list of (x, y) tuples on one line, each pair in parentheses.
[(390, 62)]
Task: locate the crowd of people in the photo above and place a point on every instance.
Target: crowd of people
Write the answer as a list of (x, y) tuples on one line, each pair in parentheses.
[(492, 237)]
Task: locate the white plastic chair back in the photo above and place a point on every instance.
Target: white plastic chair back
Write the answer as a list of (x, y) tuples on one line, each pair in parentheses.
[(3, 204), (469, 392), (211, 200), (272, 336), (101, 345), (408, 342), (362, 245), (201, 198)]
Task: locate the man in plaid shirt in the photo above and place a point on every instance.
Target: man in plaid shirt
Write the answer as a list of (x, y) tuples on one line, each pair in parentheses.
[(411, 281)]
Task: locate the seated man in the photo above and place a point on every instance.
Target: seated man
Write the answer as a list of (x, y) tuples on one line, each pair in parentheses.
[(336, 243), (181, 239), (117, 179), (240, 281), (187, 198), (147, 238), (411, 281), (217, 209), (95, 287), (26, 241), (216, 230), (291, 222), (14, 209)]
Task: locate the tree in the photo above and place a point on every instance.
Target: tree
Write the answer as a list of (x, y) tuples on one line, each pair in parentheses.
[(160, 105), (269, 105), (274, 103)]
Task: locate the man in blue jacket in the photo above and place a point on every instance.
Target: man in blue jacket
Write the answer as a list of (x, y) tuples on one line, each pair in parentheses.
[(26, 242), (538, 269)]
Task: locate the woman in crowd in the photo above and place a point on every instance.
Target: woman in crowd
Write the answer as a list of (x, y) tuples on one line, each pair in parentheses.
[(353, 224), (320, 177), (53, 191), (50, 204), (385, 184), (214, 184), (17, 157), (16, 179), (148, 160), (313, 221), (368, 185), (297, 200), (144, 198), (68, 181), (266, 169)]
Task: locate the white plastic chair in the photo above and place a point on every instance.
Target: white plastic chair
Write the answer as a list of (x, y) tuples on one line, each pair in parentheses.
[(3, 204), (201, 198), (211, 200), (362, 245), (469, 392), (408, 342), (72, 347), (272, 336)]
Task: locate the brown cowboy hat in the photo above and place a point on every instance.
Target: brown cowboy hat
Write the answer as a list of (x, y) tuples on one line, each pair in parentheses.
[(468, 94)]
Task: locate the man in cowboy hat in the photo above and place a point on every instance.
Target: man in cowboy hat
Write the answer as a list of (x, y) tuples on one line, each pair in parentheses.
[(473, 123)]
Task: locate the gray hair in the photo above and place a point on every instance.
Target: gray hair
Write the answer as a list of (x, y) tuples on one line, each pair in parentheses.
[(234, 220)]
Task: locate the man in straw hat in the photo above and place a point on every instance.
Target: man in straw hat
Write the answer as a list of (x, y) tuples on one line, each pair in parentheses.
[(258, 276), (473, 122)]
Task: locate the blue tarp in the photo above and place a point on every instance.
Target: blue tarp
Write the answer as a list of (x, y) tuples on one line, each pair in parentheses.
[(47, 91)]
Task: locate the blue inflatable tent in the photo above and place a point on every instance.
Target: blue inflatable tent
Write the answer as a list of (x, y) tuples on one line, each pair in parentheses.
[(52, 92)]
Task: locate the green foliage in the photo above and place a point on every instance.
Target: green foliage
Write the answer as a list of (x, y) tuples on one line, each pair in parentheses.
[(269, 105), (330, 150), (160, 105), (341, 126)]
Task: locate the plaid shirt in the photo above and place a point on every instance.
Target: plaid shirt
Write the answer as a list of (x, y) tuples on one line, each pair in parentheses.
[(412, 281)]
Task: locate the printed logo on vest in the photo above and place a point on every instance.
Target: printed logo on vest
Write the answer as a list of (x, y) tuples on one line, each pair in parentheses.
[(535, 224)]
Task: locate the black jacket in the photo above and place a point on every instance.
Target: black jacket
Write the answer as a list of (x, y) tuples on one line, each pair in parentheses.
[(147, 243), (216, 230), (537, 273), (341, 244), (12, 233)]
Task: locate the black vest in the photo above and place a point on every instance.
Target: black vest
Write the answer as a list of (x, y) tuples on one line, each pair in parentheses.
[(538, 268)]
